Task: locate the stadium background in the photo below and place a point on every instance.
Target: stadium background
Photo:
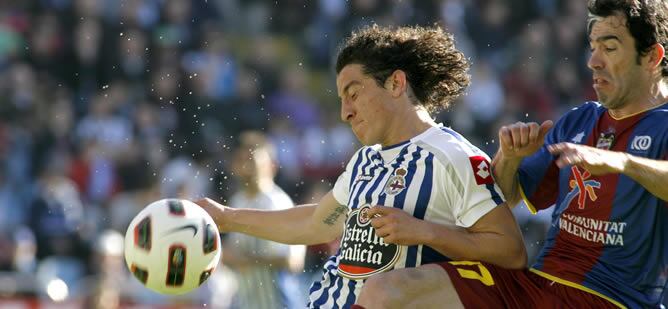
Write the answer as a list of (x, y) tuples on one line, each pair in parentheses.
[(108, 105)]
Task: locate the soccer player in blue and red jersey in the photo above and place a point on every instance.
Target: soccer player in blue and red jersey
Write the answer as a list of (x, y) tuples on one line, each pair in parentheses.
[(603, 166)]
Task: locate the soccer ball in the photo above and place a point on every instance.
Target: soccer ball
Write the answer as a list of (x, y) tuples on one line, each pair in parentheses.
[(172, 246)]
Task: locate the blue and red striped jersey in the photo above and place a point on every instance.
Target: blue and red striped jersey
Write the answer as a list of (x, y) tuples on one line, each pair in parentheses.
[(608, 234)]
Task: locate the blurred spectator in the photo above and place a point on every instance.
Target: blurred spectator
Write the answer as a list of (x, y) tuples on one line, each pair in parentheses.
[(265, 269), (104, 288)]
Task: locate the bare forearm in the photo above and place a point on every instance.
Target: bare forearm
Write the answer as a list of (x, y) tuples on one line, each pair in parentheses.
[(651, 174), (505, 175), (289, 226), (459, 244)]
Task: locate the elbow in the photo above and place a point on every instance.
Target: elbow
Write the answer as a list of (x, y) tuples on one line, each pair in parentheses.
[(518, 258)]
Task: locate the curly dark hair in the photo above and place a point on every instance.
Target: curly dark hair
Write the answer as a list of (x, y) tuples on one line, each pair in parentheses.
[(647, 21), (435, 69)]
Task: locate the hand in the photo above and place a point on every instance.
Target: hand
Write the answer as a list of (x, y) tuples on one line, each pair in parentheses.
[(215, 210), (596, 161), (396, 226), (521, 139)]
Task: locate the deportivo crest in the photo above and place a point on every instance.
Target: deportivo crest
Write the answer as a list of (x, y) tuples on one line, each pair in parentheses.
[(363, 253), (397, 182)]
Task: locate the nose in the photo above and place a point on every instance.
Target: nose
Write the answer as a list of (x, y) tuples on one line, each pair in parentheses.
[(347, 112), (595, 61)]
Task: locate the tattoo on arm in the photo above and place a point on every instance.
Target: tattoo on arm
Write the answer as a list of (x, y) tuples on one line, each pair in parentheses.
[(338, 211)]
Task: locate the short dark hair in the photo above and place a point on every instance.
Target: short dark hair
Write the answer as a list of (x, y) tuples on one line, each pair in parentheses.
[(647, 20), (435, 69)]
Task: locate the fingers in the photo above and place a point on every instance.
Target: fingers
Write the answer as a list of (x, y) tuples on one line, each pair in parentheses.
[(568, 159), (517, 130), (207, 203), (520, 134), (544, 128), (382, 232), (381, 217), (534, 131), (568, 154), (505, 138), (560, 148), (215, 210), (378, 222), (379, 210)]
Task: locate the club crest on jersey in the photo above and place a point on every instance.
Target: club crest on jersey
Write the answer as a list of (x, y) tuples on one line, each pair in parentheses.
[(363, 253), (397, 182), (582, 187), (605, 141)]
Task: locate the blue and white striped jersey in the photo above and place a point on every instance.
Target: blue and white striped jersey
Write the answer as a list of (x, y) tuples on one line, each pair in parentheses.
[(436, 176)]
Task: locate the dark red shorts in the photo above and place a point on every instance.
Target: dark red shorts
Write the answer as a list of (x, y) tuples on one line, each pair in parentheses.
[(482, 285)]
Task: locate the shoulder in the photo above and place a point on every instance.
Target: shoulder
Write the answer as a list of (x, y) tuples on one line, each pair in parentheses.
[(578, 121), (454, 156), (588, 111), (659, 114), (449, 147)]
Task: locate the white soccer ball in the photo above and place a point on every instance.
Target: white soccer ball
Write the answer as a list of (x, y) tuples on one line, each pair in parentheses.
[(172, 246)]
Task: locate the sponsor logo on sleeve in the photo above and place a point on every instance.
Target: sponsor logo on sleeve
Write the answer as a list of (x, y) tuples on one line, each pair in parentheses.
[(641, 143), (481, 170)]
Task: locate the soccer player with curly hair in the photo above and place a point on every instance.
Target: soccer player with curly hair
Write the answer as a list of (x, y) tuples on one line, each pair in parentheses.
[(416, 193)]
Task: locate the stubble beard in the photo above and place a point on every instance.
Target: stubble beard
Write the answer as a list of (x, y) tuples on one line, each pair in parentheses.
[(608, 102)]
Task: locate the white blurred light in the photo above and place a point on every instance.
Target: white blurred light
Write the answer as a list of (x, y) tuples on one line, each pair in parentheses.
[(57, 290)]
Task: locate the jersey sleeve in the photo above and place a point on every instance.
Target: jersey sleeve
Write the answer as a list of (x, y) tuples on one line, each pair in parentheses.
[(470, 190), (343, 184), (539, 175)]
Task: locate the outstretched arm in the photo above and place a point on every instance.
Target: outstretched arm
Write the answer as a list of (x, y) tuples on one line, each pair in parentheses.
[(305, 224), (651, 174)]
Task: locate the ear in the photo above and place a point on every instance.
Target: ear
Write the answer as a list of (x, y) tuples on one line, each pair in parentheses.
[(656, 55), (397, 83)]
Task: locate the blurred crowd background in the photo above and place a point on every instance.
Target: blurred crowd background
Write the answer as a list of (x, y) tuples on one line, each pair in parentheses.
[(106, 106)]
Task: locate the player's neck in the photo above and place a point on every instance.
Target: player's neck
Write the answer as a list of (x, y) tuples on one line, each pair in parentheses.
[(408, 125), (657, 96)]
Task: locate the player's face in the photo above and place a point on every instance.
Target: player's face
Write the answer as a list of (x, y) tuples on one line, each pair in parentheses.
[(617, 75), (363, 104)]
